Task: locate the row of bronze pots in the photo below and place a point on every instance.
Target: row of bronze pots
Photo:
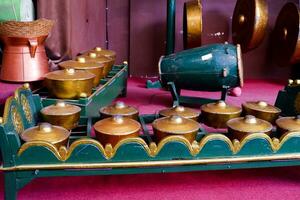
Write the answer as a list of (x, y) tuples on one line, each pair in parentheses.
[(60, 119), (119, 121), (258, 118), (77, 77)]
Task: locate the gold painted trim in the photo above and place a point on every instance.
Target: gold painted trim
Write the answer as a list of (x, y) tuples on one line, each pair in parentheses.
[(26, 108), (64, 154), (212, 136), (153, 149), (175, 138), (9, 100), (163, 163), (48, 145)]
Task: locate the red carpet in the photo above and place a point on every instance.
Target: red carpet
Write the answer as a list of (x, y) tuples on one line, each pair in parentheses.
[(276, 183)]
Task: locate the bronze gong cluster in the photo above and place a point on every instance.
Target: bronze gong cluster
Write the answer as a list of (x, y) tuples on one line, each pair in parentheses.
[(249, 23), (76, 78), (249, 28), (285, 44), (119, 121)]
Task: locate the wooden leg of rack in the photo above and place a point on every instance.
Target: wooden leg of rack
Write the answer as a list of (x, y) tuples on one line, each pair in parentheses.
[(10, 186)]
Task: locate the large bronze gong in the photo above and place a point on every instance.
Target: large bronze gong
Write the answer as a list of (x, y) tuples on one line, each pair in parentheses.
[(285, 44), (249, 23), (192, 24)]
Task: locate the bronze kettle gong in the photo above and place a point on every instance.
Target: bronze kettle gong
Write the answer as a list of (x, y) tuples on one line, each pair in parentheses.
[(114, 129), (180, 111)]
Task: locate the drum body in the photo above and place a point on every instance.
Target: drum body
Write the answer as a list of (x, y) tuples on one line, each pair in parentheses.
[(207, 68)]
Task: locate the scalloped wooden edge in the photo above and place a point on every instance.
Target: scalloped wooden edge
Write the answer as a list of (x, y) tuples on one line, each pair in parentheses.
[(153, 150)]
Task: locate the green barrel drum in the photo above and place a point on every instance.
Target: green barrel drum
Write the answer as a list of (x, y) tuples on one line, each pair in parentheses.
[(207, 68)]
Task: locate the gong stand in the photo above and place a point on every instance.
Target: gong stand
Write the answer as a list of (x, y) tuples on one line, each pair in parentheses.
[(288, 99), (286, 52), (188, 100)]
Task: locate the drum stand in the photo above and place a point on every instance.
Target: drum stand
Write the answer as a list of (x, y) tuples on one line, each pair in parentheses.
[(188, 100), (170, 46)]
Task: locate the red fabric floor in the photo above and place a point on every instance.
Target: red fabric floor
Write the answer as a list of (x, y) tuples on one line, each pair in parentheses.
[(275, 183)]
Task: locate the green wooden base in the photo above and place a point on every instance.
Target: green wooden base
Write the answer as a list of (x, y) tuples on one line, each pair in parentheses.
[(23, 162)]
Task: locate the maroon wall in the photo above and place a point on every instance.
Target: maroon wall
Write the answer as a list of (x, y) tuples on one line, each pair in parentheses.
[(136, 30), (78, 26), (118, 28)]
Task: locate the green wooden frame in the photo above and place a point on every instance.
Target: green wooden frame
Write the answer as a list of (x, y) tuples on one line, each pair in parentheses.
[(23, 162)]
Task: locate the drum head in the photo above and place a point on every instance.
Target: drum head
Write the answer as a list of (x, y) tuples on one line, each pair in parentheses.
[(249, 23), (285, 45), (192, 24)]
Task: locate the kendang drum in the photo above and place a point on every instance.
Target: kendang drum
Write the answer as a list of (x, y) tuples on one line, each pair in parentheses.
[(207, 68)]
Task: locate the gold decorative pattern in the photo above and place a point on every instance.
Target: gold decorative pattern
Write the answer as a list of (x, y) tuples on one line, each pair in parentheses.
[(163, 163), (63, 152), (153, 149), (109, 151), (26, 108), (45, 144), (17, 120)]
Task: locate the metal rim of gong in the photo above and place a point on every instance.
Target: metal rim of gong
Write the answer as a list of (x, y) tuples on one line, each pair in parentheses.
[(285, 38), (192, 24), (249, 23)]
